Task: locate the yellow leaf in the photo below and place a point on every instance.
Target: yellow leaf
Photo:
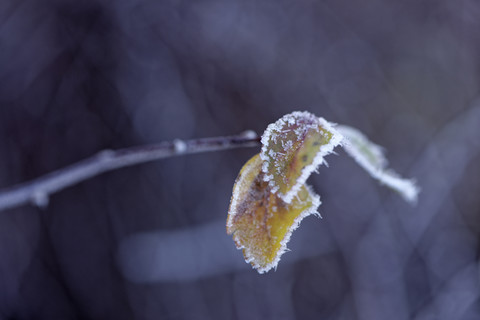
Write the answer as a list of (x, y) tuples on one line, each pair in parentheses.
[(293, 147), (260, 221)]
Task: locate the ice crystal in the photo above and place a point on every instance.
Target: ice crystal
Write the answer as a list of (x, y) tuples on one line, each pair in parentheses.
[(371, 158), (292, 148)]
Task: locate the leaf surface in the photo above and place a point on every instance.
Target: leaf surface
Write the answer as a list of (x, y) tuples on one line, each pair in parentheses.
[(292, 148), (260, 221)]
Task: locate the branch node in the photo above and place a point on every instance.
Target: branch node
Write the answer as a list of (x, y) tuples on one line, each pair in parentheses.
[(249, 134), (179, 146), (40, 199)]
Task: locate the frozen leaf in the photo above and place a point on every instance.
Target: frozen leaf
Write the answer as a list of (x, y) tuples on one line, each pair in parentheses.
[(260, 221), (292, 148), (270, 197), (371, 157)]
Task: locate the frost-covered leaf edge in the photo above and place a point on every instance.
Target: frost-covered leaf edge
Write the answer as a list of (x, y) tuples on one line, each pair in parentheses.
[(407, 188), (246, 170), (325, 149), (313, 209)]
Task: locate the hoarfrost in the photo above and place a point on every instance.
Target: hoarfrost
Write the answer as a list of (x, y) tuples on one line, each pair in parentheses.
[(371, 158), (299, 124), (245, 197), (313, 209), (292, 148)]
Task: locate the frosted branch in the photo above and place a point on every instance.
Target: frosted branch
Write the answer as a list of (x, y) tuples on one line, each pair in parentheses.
[(37, 191)]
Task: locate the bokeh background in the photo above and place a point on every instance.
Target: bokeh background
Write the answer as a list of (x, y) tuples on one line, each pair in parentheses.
[(149, 242)]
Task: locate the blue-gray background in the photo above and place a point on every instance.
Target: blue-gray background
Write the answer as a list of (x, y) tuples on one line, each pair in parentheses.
[(149, 242)]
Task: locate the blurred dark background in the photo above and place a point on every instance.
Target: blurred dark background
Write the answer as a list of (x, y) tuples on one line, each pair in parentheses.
[(149, 242)]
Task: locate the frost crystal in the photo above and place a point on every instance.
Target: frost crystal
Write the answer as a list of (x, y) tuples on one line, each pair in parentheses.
[(371, 158), (292, 148)]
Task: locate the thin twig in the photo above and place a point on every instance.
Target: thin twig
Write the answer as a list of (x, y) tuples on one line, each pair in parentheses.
[(38, 191)]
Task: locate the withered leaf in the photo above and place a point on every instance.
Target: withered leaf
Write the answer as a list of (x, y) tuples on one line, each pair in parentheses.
[(292, 148), (260, 221)]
